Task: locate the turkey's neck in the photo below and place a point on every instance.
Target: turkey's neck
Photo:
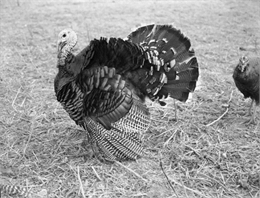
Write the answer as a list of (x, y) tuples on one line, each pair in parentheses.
[(62, 78)]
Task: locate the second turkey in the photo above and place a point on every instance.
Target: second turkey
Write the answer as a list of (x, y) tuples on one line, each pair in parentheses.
[(104, 87)]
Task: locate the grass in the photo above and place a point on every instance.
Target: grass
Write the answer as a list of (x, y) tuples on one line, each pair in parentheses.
[(201, 156)]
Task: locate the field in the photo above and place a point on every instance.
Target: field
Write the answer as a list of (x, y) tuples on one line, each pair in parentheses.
[(208, 152)]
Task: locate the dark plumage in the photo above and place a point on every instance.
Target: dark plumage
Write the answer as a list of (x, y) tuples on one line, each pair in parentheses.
[(246, 76), (103, 88)]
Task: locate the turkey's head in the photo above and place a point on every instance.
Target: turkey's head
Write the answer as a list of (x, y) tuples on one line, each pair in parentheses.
[(243, 63), (67, 40)]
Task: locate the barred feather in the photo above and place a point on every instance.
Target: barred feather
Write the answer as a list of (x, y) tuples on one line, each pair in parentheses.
[(103, 87), (12, 190), (122, 141)]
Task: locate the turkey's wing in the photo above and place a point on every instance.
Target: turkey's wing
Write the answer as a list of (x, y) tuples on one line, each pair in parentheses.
[(106, 97)]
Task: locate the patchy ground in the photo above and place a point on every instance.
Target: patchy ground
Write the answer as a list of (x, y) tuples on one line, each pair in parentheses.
[(200, 155)]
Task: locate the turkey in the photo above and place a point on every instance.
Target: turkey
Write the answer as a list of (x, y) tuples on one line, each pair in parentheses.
[(246, 76), (104, 87)]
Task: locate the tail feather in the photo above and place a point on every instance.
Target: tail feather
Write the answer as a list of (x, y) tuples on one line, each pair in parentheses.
[(190, 63), (174, 68), (189, 86), (179, 95), (185, 73), (184, 76), (161, 36)]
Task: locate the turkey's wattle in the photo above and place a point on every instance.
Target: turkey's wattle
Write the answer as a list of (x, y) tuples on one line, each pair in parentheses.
[(103, 87)]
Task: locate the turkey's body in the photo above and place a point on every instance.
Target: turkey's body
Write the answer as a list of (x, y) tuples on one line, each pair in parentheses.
[(246, 76), (103, 88)]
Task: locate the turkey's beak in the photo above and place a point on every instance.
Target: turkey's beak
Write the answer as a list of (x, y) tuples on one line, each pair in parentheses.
[(242, 67), (60, 45), (59, 54), (243, 61)]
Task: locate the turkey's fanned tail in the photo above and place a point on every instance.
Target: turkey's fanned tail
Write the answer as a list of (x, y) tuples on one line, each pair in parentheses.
[(174, 70)]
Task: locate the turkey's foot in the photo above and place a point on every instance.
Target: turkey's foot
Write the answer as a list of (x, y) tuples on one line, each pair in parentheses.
[(100, 155), (252, 120)]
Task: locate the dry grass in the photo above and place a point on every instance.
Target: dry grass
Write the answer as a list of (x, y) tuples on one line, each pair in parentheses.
[(40, 146)]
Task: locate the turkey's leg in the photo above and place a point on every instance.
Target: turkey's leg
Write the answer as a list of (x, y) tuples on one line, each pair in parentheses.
[(253, 115), (250, 108), (252, 119), (175, 109)]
